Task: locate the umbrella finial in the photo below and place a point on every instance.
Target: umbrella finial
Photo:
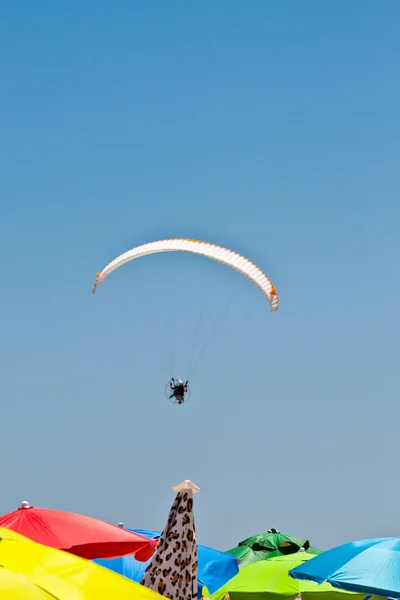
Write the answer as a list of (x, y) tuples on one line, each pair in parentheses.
[(24, 504), (121, 525), (302, 549), (186, 485)]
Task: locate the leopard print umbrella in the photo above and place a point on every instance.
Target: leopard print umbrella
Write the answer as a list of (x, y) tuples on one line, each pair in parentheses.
[(172, 571)]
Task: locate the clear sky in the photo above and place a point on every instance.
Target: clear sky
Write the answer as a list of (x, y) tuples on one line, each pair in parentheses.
[(269, 127)]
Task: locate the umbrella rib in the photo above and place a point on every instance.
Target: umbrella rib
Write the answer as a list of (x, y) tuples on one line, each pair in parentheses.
[(55, 533), (47, 592)]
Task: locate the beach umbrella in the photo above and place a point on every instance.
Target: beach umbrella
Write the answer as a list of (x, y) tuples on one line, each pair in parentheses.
[(269, 544), (172, 571), (269, 580), (77, 534), (369, 566), (31, 571), (15, 586), (215, 568)]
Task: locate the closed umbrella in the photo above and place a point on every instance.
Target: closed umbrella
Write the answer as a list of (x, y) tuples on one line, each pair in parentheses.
[(172, 571)]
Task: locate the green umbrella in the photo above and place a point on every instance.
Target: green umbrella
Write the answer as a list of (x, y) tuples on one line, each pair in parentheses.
[(267, 545), (269, 580)]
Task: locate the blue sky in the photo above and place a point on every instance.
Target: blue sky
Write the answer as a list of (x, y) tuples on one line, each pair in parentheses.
[(272, 128)]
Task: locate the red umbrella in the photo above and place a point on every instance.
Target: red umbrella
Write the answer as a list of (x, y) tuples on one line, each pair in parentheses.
[(77, 534)]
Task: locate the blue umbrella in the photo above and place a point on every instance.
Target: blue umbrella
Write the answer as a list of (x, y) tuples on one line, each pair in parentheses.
[(215, 568), (367, 566)]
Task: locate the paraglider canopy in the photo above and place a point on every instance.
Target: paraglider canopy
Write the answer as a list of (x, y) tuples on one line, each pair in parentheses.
[(223, 255)]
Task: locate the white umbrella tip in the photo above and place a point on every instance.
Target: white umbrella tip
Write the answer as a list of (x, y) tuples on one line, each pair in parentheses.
[(301, 550), (121, 525), (186, 485), (24, 504)]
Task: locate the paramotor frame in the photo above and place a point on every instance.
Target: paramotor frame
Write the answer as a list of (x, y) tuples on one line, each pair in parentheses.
[(171, 397)]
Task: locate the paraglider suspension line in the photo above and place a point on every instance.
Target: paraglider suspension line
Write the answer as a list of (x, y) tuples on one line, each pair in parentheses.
[(220, 319), (197, 330)]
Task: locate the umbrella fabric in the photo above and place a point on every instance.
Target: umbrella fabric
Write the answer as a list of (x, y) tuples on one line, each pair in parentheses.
[(366, 566), (267, 545), (31, 571), (214, 569), (14, 586), (269, 580), (77, 534), (172, 571)]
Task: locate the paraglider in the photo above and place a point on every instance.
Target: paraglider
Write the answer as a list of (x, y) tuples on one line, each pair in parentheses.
[(180, 391), (177, 391)]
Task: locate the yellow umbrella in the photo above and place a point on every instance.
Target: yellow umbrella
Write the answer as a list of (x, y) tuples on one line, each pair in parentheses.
[(17, 587), (30, 571)]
